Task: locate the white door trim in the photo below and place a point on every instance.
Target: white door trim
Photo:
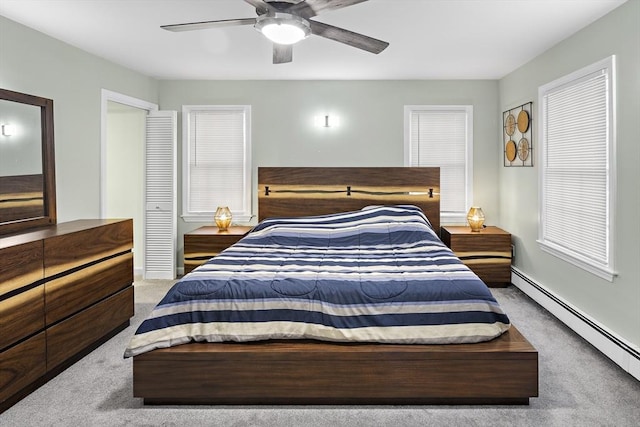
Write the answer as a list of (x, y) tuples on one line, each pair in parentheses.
[(106, 96)]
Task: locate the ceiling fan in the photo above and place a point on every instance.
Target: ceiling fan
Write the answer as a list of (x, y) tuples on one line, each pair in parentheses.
[(287, 22)]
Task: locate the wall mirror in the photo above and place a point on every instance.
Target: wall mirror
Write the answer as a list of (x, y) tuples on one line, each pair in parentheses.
[(27, 165)]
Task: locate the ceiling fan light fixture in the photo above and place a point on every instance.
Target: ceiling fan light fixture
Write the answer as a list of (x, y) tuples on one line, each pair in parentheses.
[(283, 28)]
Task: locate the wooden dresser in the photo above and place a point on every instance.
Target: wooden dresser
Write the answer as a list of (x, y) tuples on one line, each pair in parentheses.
[(64, 290)]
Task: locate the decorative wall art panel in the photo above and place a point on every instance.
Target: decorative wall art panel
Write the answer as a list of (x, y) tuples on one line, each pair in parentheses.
[(516, 136)]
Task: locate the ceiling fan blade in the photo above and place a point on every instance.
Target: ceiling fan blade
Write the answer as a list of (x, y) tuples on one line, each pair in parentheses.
[(348, 37), (311, 8), (262, 7), (282, 53), (208, 24)]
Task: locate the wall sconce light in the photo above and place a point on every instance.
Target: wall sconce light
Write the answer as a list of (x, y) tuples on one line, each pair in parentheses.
[(326, 121), (222, 218), (475, 218), (8, 130)]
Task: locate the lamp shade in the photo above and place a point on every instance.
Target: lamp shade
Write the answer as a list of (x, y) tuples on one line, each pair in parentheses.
[(222, 218), (475, 218)]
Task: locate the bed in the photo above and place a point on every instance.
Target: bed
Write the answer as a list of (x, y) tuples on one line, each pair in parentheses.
[(333, 368)]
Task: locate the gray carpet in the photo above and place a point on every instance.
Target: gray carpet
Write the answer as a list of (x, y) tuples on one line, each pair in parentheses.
[(578, 387)]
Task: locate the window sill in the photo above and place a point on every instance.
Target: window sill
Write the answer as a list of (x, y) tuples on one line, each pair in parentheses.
[(453, 218), (208, 218), (581, 262)]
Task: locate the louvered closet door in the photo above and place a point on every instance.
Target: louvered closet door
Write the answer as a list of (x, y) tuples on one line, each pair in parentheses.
[(160, 190)]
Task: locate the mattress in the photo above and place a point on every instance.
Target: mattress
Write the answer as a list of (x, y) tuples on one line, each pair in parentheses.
[(380, 275)]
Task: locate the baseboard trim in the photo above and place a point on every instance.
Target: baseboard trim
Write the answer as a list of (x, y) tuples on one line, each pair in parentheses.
[(616, 348)]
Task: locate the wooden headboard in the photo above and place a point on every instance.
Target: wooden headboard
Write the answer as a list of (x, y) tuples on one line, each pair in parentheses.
[(301, 191)]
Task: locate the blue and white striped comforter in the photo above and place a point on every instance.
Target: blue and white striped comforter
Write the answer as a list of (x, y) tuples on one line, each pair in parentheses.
[(376, 275)]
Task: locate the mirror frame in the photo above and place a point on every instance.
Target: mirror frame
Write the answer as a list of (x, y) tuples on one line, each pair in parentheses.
[(48, 163)]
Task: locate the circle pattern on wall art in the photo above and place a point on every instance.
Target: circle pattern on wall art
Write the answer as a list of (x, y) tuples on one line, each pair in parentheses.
[(523, 149), (517, 139), (511, 150), (510, 125), (523, 121)]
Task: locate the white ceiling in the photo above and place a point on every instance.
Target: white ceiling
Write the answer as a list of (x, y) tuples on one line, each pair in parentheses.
[(429, 39)]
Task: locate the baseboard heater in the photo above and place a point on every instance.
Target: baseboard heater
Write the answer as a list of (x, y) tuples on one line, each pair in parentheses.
[(614, 347)]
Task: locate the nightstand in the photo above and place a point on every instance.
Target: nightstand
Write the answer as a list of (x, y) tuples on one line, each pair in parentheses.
[(206, 242), (487, 252)]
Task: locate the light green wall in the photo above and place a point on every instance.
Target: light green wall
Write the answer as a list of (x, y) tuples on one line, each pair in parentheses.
[(36, 64), (371, 123), (371, 133), (615, 305), (371, 112)]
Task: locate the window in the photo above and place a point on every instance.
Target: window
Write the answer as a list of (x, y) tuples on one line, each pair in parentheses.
[(216, 158), (577, 167), (437, 135)]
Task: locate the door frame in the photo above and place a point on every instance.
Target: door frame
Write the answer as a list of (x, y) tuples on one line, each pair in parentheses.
[(106, 96)]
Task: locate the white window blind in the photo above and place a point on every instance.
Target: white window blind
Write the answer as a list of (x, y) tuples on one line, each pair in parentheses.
[(442, 136), (576, 187), (216, 157)]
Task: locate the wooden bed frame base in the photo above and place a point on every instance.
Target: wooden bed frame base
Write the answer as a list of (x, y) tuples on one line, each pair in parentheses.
[(501, 371)]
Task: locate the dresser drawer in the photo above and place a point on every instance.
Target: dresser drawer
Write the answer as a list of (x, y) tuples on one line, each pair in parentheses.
[(21, 316), (73, 335), (74, 292), (212, 244), (491, 271), (70, 250), (206, 242), (21, 365), (20, 265), (480, 243)]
